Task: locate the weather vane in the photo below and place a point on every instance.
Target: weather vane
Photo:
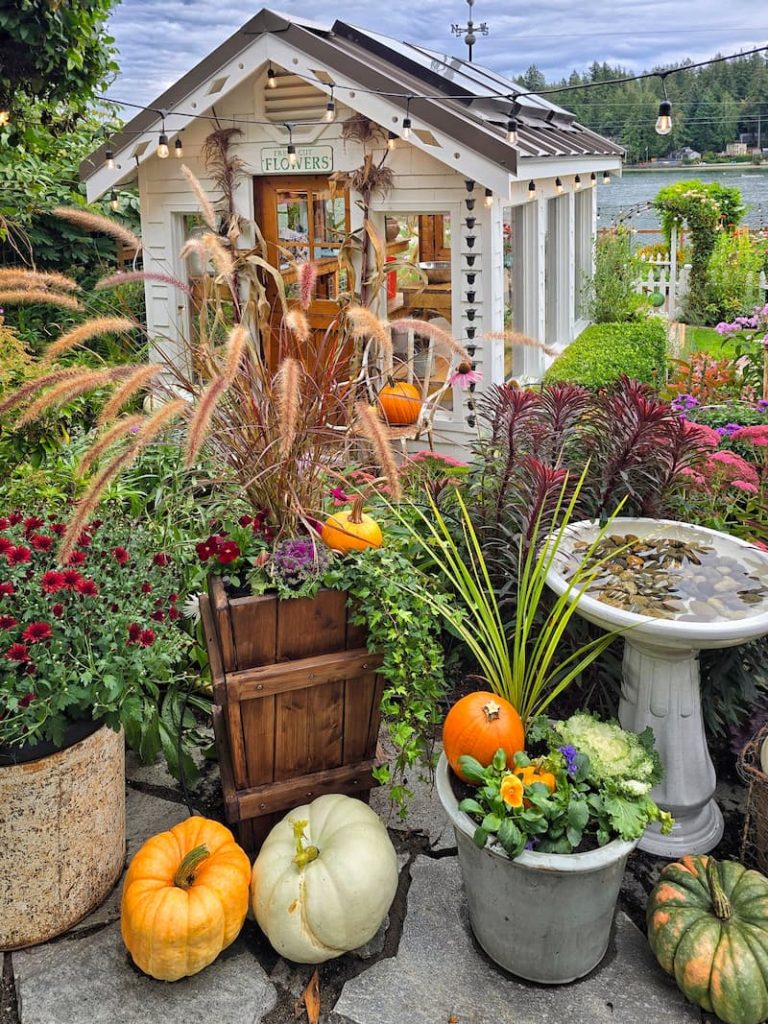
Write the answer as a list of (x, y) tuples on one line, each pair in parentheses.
[(470, 30)]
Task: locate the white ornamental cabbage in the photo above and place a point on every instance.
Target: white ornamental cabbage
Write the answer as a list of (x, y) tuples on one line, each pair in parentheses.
[(324, 879)]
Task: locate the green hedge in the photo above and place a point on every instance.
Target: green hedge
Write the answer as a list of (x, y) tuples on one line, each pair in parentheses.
[(603, 352)]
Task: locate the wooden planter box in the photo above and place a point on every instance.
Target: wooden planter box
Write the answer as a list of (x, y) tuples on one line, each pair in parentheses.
[(296, 704)]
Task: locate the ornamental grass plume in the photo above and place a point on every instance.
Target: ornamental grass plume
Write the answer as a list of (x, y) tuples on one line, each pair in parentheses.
[(296, 322), (362, 323), (373, 430), (84, 332), (516, 338), (206, 207), (129, 276), (18, 296), (288, 395), (20, 277), (118, 430), (90, 221), (136, 382), (306, 274), (80, 384)]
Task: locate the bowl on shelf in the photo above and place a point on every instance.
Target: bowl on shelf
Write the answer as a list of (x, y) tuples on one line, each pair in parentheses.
[(438, 272)]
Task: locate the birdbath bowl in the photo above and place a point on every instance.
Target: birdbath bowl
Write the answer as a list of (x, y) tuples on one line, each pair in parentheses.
[(661, 678)]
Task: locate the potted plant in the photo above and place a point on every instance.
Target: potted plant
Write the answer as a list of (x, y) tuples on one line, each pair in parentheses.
[(543, 842), (84, 649)]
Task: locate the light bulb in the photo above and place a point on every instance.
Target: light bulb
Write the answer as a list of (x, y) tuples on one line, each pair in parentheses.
[(593, 179), (577, 183), (291, 154), (178, 149), (664, 120), (113, 201), (512, 136), (558, 186), (271, 78), (407, 127), (531, 189), (489, 197), (330, 111), (5, 117), (162, 147), (109, 159), (606, 178), (391, 140)]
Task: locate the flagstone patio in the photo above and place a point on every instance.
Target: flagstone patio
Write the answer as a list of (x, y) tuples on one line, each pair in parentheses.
[(424, 966)]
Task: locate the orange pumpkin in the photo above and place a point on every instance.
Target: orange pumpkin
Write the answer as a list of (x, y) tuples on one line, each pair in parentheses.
[(400, 403), (479, 725), (351, 530), (531, 773), (185, 898)]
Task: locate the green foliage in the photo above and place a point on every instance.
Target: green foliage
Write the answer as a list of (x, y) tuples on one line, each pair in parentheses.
[(603, 353), (610, 294), (514, 803), (58, 52), (733, 277)]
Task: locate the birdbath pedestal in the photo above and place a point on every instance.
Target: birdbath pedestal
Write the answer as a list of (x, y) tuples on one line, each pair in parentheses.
[(660, 686)]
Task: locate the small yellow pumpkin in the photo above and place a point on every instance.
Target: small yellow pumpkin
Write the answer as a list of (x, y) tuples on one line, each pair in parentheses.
[(185, 898), (351, 530)]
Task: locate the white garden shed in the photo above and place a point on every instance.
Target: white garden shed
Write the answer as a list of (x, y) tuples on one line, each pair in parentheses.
[(508, 210)]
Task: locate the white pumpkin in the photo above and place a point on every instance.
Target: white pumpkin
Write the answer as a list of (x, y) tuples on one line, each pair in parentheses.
[(324, 879)]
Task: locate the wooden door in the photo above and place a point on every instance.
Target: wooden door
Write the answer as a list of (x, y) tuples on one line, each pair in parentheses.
[(302, 220)]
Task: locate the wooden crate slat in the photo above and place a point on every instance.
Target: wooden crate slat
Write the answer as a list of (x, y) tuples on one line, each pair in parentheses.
[(223, 622), (254, 628), (375, 723), (225, 765), (236, 743), (284, 795), (296, 675), (293, 723), (214, 651), (326, 721), (312, 626), (358, 695), (259, 740)]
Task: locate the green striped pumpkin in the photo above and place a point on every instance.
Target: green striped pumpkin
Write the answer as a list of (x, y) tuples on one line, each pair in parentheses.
[(708, 927)]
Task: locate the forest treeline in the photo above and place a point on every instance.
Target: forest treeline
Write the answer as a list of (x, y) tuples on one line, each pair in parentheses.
[(711, 106)]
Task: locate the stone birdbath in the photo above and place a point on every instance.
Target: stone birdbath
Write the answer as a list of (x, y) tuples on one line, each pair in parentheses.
[(677, 589)]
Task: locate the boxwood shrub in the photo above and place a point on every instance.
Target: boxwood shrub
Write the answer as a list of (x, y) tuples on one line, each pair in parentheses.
[(602, 353)]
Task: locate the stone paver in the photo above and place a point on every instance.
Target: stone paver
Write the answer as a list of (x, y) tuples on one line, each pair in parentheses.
[(91, 981), (145, 815), (439, 972)]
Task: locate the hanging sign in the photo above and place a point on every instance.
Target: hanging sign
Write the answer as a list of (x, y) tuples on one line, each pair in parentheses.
[(309, 160)]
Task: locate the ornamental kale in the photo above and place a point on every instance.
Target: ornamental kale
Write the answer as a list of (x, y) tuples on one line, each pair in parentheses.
[(550, 803), (297, 566)]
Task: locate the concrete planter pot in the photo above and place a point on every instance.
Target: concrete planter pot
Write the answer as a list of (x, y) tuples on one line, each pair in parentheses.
[(545, 917), (62, 837)]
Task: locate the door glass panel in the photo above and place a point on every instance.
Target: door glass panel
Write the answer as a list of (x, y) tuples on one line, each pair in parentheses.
[(293, 223), (330, 218)]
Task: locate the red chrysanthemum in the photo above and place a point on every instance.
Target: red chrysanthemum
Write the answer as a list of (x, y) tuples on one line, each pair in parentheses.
[(245, 520), (84, 540), (121, 555), (6, 589), (33, 523), (58, 610), (41, 541), (36, 632), (87, 588), (59, 529), (71, 578), (27, 699), (5, 522), (15, 517), (228, 552), (146, 588), (174, 613), (134, 632), (18, 556), (7, 622), (114, 608), (160, 559), (76, 558), (173, 598), (5, 545), (17, 652), (52, 581), (93, 526), (158, 615), (147, 637)]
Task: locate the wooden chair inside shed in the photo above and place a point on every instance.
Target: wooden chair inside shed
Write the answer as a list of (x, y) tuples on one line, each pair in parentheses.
[(416, 359)]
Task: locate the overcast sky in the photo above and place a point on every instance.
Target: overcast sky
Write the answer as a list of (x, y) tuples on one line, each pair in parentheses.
[(161, 39)]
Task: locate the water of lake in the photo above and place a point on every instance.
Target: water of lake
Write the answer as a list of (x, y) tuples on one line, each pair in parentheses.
[(636, 187)]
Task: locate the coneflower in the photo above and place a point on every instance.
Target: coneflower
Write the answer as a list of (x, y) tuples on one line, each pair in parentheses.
[(516, 338), (206, 208), (297, 323), (218, 255), (201, 418), (118, 430), (364, 324), (137, 380), (90, 221), (372, 428), (82, 382), (91, 498), (83, 332), (307, 275), (26, 391), (288, 395), (436, 333), (17, 277), (123, 277), (14, 296)]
